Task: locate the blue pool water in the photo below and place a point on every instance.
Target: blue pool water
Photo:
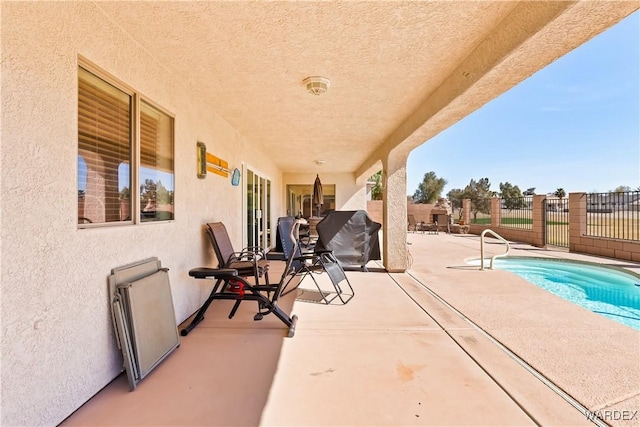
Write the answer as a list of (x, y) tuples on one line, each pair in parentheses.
[(606, 291)]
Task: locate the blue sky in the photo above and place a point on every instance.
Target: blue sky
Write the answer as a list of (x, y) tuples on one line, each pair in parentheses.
[(574, 124)]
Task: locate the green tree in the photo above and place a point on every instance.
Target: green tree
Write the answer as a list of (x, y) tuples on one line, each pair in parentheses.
[(511, 196), (376, 190), (163, 196), (560, 193), (125, 194), (480, 194), (529, 192), (622, 189), (456, 196), (148, 191), (430, 189), (153, 191)]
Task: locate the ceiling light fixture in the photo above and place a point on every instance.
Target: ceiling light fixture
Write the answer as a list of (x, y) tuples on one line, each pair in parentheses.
[(317, 85), (319, 162)]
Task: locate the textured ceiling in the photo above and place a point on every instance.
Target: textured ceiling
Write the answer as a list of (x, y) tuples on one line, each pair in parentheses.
[(248, 60)]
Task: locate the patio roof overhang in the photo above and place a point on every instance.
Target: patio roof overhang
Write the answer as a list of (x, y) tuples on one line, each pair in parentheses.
[(400, 72)]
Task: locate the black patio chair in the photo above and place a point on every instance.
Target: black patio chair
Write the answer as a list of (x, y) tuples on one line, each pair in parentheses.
[(311, 265), (250, 261), (231, 282)]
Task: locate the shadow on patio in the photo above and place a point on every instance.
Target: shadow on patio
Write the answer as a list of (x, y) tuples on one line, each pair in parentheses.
[(395, 355)]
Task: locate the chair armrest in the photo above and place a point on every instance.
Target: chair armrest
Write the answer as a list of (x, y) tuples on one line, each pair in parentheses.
[(245, 256), (256, 250), (216, 273)]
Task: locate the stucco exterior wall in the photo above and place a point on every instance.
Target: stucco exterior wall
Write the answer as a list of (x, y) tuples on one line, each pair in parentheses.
[(57, 341)]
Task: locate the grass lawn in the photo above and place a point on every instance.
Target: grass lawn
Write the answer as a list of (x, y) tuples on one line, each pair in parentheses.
[(515, 221), (622, 226)]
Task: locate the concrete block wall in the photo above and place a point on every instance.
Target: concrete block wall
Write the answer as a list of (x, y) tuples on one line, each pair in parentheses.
[(534, 236), (374, 209), (581, 243), (619, 249), (421, 212), (519, 235)]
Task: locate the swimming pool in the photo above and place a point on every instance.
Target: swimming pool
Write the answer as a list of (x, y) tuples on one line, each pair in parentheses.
[(610, 292)]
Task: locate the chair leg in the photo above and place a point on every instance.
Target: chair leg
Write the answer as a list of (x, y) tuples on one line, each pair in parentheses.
[(234, 309), (250, 293), (338, 276), (326, 301), (286, 291), (199, 317), (336, 285), (344, 301)]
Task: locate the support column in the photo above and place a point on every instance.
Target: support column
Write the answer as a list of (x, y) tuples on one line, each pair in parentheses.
[(538, 216), (577, 220), (496, 211), (394, 214)]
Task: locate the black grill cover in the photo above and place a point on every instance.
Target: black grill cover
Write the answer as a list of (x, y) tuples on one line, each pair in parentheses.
[(351, 235)]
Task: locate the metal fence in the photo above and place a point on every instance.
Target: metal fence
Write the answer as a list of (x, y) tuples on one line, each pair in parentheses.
[(517, 212), (614, 215), (556, 213)]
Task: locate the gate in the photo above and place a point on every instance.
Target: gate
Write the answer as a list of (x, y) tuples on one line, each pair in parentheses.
[(556, 212)]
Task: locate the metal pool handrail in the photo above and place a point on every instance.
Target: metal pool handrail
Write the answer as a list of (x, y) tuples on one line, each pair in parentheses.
[(497, 236)]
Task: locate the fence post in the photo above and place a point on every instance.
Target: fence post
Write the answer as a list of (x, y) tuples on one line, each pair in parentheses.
[(577, 220), (466, 211), (496, 207), (538, 216)]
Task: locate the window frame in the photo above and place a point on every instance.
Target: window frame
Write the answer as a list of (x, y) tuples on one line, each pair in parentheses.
[(137, 98)]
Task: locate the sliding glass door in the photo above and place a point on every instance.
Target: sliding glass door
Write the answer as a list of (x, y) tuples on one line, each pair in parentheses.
[(257, 209)]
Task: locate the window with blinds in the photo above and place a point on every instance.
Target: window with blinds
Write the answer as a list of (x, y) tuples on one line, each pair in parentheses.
[(109, 189), (156, 164)]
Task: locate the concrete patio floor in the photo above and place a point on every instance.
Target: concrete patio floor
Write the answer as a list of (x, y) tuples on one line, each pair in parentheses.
[(430, 347)]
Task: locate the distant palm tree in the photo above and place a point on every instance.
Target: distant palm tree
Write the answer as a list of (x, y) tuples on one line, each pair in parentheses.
[(560, 193)]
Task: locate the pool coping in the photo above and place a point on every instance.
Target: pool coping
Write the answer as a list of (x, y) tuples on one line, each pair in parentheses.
[(592, 358)]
